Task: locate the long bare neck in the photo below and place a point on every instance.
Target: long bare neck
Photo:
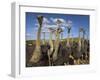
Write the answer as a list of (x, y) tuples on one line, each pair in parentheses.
[(57, 42), (51, 41), (58, 38), (38, 37), (40, 19), (79, 41)]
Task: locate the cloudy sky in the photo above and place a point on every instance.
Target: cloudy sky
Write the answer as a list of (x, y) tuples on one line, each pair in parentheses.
[(50, 19)]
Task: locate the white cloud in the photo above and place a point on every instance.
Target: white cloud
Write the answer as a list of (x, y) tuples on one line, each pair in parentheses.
[(54, 20), (46, 28), (46, 24), (45, 21), (28, 34), (36, 24), (51, 26), (69, 23), (64, 22)]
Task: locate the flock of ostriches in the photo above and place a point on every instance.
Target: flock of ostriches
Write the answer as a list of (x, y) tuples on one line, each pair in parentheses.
[(57, 52)]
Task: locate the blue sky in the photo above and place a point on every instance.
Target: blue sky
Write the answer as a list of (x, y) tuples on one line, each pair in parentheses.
[(49, 21)]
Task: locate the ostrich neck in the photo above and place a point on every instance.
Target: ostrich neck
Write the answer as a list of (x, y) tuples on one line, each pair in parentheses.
[(68, 40), (38, 37), (79, 42), (51, 42), (57, 43)]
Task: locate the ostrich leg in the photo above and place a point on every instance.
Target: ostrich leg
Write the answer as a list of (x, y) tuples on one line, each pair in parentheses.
[(37, 52)]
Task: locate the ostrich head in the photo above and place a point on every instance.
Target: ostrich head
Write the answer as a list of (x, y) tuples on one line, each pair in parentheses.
[(59, 30), (40, 19)]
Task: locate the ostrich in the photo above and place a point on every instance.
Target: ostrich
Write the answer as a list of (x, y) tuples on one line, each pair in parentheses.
[(50, 52), (60, 55), (37, 52), (57, 44), (69, 25), (57, 41), (84, 48), (87, 49), (80, 46)]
